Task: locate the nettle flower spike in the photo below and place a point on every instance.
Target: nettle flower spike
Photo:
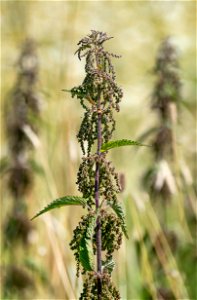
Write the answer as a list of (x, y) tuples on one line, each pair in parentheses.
[(100, 231)]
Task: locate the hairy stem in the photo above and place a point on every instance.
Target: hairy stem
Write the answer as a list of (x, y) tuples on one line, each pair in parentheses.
[(98, 224)]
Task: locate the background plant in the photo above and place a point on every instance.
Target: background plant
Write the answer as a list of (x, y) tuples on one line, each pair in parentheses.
[(21, 118), (168, 181)]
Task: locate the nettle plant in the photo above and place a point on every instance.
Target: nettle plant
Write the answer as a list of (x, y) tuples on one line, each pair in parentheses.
[(22, 117), (100, 231), (168, 180), (160, 180)]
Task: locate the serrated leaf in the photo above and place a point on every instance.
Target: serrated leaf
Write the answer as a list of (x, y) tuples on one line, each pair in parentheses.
[(67, 200), (117, 207), (108, 265), (86, 254), (119, 143)]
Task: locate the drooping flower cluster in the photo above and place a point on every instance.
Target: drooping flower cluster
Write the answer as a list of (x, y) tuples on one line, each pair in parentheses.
[(99, 82), (109, 181), (90, 288)]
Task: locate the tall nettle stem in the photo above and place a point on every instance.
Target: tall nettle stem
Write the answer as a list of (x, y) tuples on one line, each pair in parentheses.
[(98, 221)]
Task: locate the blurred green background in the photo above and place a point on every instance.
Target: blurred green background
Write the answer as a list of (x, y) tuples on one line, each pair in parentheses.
[(138, 27)]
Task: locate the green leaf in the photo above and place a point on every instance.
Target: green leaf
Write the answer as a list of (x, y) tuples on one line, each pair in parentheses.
[(119, 143), (86, 254), (117, 207), (108, 265), (67, 200)]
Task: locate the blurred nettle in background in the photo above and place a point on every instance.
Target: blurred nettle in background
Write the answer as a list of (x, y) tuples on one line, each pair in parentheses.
[(159, 259), (21, 117), (168, 180)]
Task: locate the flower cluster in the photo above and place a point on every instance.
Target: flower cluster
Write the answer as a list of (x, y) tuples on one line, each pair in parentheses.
[(99, 82), (90, 290), (109, 181), (110, 242)]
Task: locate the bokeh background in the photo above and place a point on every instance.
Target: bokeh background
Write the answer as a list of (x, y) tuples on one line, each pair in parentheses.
[(138, 27)]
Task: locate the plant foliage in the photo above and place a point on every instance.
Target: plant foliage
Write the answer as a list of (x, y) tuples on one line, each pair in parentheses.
[(67, 200), (119, 143), (86, 254), (117, 207)]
